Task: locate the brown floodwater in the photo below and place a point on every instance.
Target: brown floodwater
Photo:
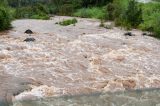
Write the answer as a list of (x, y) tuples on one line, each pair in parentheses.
[(79, 59)]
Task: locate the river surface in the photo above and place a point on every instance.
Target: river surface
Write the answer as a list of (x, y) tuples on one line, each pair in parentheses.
[(69, 60)]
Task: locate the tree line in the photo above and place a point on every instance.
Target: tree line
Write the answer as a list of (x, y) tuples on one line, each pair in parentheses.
[(83, 3)]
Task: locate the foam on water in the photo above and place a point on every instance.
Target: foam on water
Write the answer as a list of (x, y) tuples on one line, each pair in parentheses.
[(73, 62)]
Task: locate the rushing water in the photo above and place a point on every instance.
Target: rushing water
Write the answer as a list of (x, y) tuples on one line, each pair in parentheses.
[(128, 98), (75, 59)]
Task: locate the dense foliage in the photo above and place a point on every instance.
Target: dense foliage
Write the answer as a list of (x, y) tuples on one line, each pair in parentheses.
[(5, 17), (94, 12), (131, 14), (37, 11), (126, 13), (151, 18)]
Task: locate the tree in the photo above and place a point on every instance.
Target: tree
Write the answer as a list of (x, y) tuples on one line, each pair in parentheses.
[(133, 14), (5, 19)]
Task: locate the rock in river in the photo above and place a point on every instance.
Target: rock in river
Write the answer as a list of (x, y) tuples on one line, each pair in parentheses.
[(129, 34), (29, 39), (28, 31)]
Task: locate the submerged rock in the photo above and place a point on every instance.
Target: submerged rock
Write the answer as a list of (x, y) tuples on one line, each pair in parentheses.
[(129, 34), (144, 33), (29, 39)]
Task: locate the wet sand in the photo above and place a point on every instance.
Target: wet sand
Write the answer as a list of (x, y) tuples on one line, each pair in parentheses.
[(80, 59)]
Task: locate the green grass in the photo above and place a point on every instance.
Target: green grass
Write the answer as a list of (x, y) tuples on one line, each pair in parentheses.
[(94, 12), (68, 22), (42, 17)]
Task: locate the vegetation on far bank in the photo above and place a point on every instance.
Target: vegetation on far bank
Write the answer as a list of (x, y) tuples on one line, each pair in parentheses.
[(93, 12), (68, 22), (37, 11), (126, 13), (5, 17)]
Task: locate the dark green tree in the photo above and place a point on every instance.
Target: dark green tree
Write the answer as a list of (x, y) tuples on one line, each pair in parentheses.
[(5, 19), (133, 14)]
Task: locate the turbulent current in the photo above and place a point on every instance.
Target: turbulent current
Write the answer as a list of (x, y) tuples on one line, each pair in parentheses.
[(69, 60)]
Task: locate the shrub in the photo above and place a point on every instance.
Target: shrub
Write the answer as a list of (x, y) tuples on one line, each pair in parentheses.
[(151, 18), (102, 24), (156, 28), (68, 22), (120, 8), (38, 16), (5, 18), (82, 13), (94, 12), (110, 9), (66, 9), (37, 11), (39, 8), (52, 9), (133, 14), (23, 12), (127, 13), (12, 12)]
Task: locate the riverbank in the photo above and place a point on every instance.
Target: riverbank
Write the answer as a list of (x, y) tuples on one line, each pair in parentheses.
[(79, 59)]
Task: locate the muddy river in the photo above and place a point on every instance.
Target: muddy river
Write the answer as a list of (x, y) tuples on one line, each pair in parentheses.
[(68, 60)]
